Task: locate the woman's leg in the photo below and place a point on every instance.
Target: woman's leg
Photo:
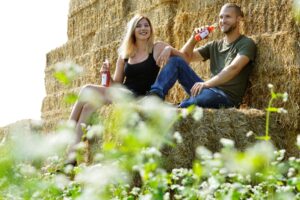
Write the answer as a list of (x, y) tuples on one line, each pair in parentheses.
[(83, 109), (78, 106)]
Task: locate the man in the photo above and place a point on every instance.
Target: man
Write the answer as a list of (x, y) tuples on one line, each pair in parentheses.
[(231, 61)]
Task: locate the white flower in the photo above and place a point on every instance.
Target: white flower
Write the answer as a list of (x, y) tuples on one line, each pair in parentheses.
[(213, 184), (217, 155), (249, 134), (232, 175), (280, 154), (198, 113), (151, 151), (204, 153), (282, 110), (97, 176), (270, 86), (174, 186), (98, 157), (223, 171), (61, 181), (67, 71), (120, 94), (166, 196), (28, 170), (292, 158), (227, 142), (298, 141), (80, 146), (136, 168), (36, 146), (285, 97), (135, 191), (177, 137), (69, 68), (184, 112), (95, 131), (146, 197), (291, 172)]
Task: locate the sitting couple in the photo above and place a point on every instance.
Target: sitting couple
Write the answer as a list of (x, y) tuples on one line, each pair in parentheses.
[(140, 59)]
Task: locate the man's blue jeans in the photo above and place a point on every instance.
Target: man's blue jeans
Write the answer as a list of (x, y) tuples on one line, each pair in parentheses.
[(178, 69)]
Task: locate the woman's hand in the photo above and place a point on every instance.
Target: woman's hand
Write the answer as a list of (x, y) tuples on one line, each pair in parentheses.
[(164, 56)]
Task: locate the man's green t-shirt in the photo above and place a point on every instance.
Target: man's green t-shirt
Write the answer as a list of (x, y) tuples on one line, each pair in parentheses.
[(222, 54)]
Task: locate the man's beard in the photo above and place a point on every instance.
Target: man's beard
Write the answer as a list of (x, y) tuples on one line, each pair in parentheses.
[(230, 29)]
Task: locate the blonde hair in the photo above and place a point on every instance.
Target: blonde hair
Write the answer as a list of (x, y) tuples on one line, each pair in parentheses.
[(128, 48)]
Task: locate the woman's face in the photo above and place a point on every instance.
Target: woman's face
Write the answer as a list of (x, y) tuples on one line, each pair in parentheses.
[(142, 30)]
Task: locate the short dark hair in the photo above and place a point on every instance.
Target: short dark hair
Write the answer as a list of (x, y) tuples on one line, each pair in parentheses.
[(237, 8)]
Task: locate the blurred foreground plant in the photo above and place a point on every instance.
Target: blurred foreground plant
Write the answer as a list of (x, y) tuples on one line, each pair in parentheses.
[(127, 162), (271, 108)]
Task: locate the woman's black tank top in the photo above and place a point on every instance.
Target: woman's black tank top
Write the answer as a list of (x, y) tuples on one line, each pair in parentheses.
[(140, 76)]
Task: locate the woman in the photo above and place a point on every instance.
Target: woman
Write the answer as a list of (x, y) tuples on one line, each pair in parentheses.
[(137, 67)]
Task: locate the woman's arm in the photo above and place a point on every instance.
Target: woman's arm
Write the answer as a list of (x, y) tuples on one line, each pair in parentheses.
[(119, 72)]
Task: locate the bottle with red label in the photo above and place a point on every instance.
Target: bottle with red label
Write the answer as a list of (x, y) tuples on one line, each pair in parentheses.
[(204, 33), (105, 75)]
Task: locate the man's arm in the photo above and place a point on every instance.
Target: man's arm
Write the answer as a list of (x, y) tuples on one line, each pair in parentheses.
[(189, 52), (229, 72)]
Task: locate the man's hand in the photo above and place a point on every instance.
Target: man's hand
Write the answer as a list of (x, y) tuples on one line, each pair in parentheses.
[(197, 88), (199, 30)]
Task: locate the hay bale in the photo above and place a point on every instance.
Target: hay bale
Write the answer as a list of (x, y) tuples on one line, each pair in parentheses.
[(232, 124), (89, 16), (95, 28), (53, 117), (277, 60)]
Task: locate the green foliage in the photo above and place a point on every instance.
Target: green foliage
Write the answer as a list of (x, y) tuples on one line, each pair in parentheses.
[(269, 109), (66, 72), (71, 98), (140, 129)]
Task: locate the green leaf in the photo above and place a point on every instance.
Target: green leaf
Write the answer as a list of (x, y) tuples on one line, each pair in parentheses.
[(71, 98), (266, 138), (62, 78), (197, 169), (274, 95), (272, 109)]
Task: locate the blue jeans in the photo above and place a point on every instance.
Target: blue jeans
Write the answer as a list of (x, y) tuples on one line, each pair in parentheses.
[(178, 69)]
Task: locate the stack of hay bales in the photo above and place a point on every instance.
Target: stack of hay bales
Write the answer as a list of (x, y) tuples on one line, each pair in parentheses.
[(96, 27)]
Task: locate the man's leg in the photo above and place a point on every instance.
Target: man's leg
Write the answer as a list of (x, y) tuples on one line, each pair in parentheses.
[(209, 98), (175, 69), (178, 69)]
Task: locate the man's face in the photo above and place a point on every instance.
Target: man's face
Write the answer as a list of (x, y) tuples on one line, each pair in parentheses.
[(228, 20)]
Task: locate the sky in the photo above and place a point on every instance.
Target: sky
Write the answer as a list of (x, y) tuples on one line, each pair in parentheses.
[(29, 30)]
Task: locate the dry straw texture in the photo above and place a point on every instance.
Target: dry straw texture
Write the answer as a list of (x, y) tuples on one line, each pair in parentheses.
[(95, 29)]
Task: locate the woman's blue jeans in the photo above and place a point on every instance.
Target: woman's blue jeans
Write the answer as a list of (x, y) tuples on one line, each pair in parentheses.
[(178, 69)]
